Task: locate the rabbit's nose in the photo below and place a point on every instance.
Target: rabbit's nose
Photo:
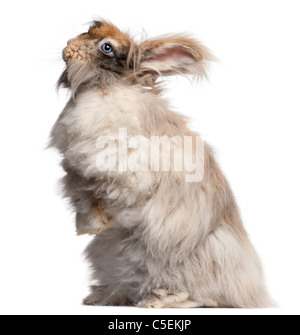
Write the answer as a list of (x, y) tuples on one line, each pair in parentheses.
[(72, 52), (74, 42)]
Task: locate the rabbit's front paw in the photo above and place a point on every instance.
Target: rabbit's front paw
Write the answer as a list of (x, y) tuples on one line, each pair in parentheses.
[(94, 223)]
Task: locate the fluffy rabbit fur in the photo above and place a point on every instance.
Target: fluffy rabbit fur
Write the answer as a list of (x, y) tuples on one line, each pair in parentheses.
[(160, 241)]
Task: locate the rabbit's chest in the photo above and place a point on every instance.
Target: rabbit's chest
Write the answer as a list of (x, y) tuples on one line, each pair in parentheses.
[(97, 114)]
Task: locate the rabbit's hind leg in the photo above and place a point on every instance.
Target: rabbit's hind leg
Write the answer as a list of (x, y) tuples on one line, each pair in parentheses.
[(95, 297), (165, 299)]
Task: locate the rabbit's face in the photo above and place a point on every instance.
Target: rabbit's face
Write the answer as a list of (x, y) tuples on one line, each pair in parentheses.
[(99, 57), (104, 45)]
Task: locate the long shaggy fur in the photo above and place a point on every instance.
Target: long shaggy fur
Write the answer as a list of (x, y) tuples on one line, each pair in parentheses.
[(169, 243)]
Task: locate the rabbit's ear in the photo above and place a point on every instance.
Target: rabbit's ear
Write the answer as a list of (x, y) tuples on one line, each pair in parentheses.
[(174, 55)]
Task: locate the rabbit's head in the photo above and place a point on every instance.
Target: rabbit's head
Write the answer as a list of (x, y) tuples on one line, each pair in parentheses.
[(104, 55)]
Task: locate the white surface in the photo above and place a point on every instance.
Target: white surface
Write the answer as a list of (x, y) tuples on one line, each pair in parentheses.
[(249, 111)]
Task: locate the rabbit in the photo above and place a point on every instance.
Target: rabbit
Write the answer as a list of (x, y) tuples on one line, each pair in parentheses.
[(160, 240)]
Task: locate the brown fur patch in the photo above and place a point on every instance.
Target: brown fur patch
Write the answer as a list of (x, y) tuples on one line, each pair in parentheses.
[(109, 30), (100, 214)]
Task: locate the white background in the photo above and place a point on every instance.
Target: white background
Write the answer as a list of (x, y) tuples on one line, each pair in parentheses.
[(249, 111)]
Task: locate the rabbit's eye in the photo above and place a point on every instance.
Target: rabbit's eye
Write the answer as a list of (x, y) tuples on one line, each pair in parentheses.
[(107, 49)]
